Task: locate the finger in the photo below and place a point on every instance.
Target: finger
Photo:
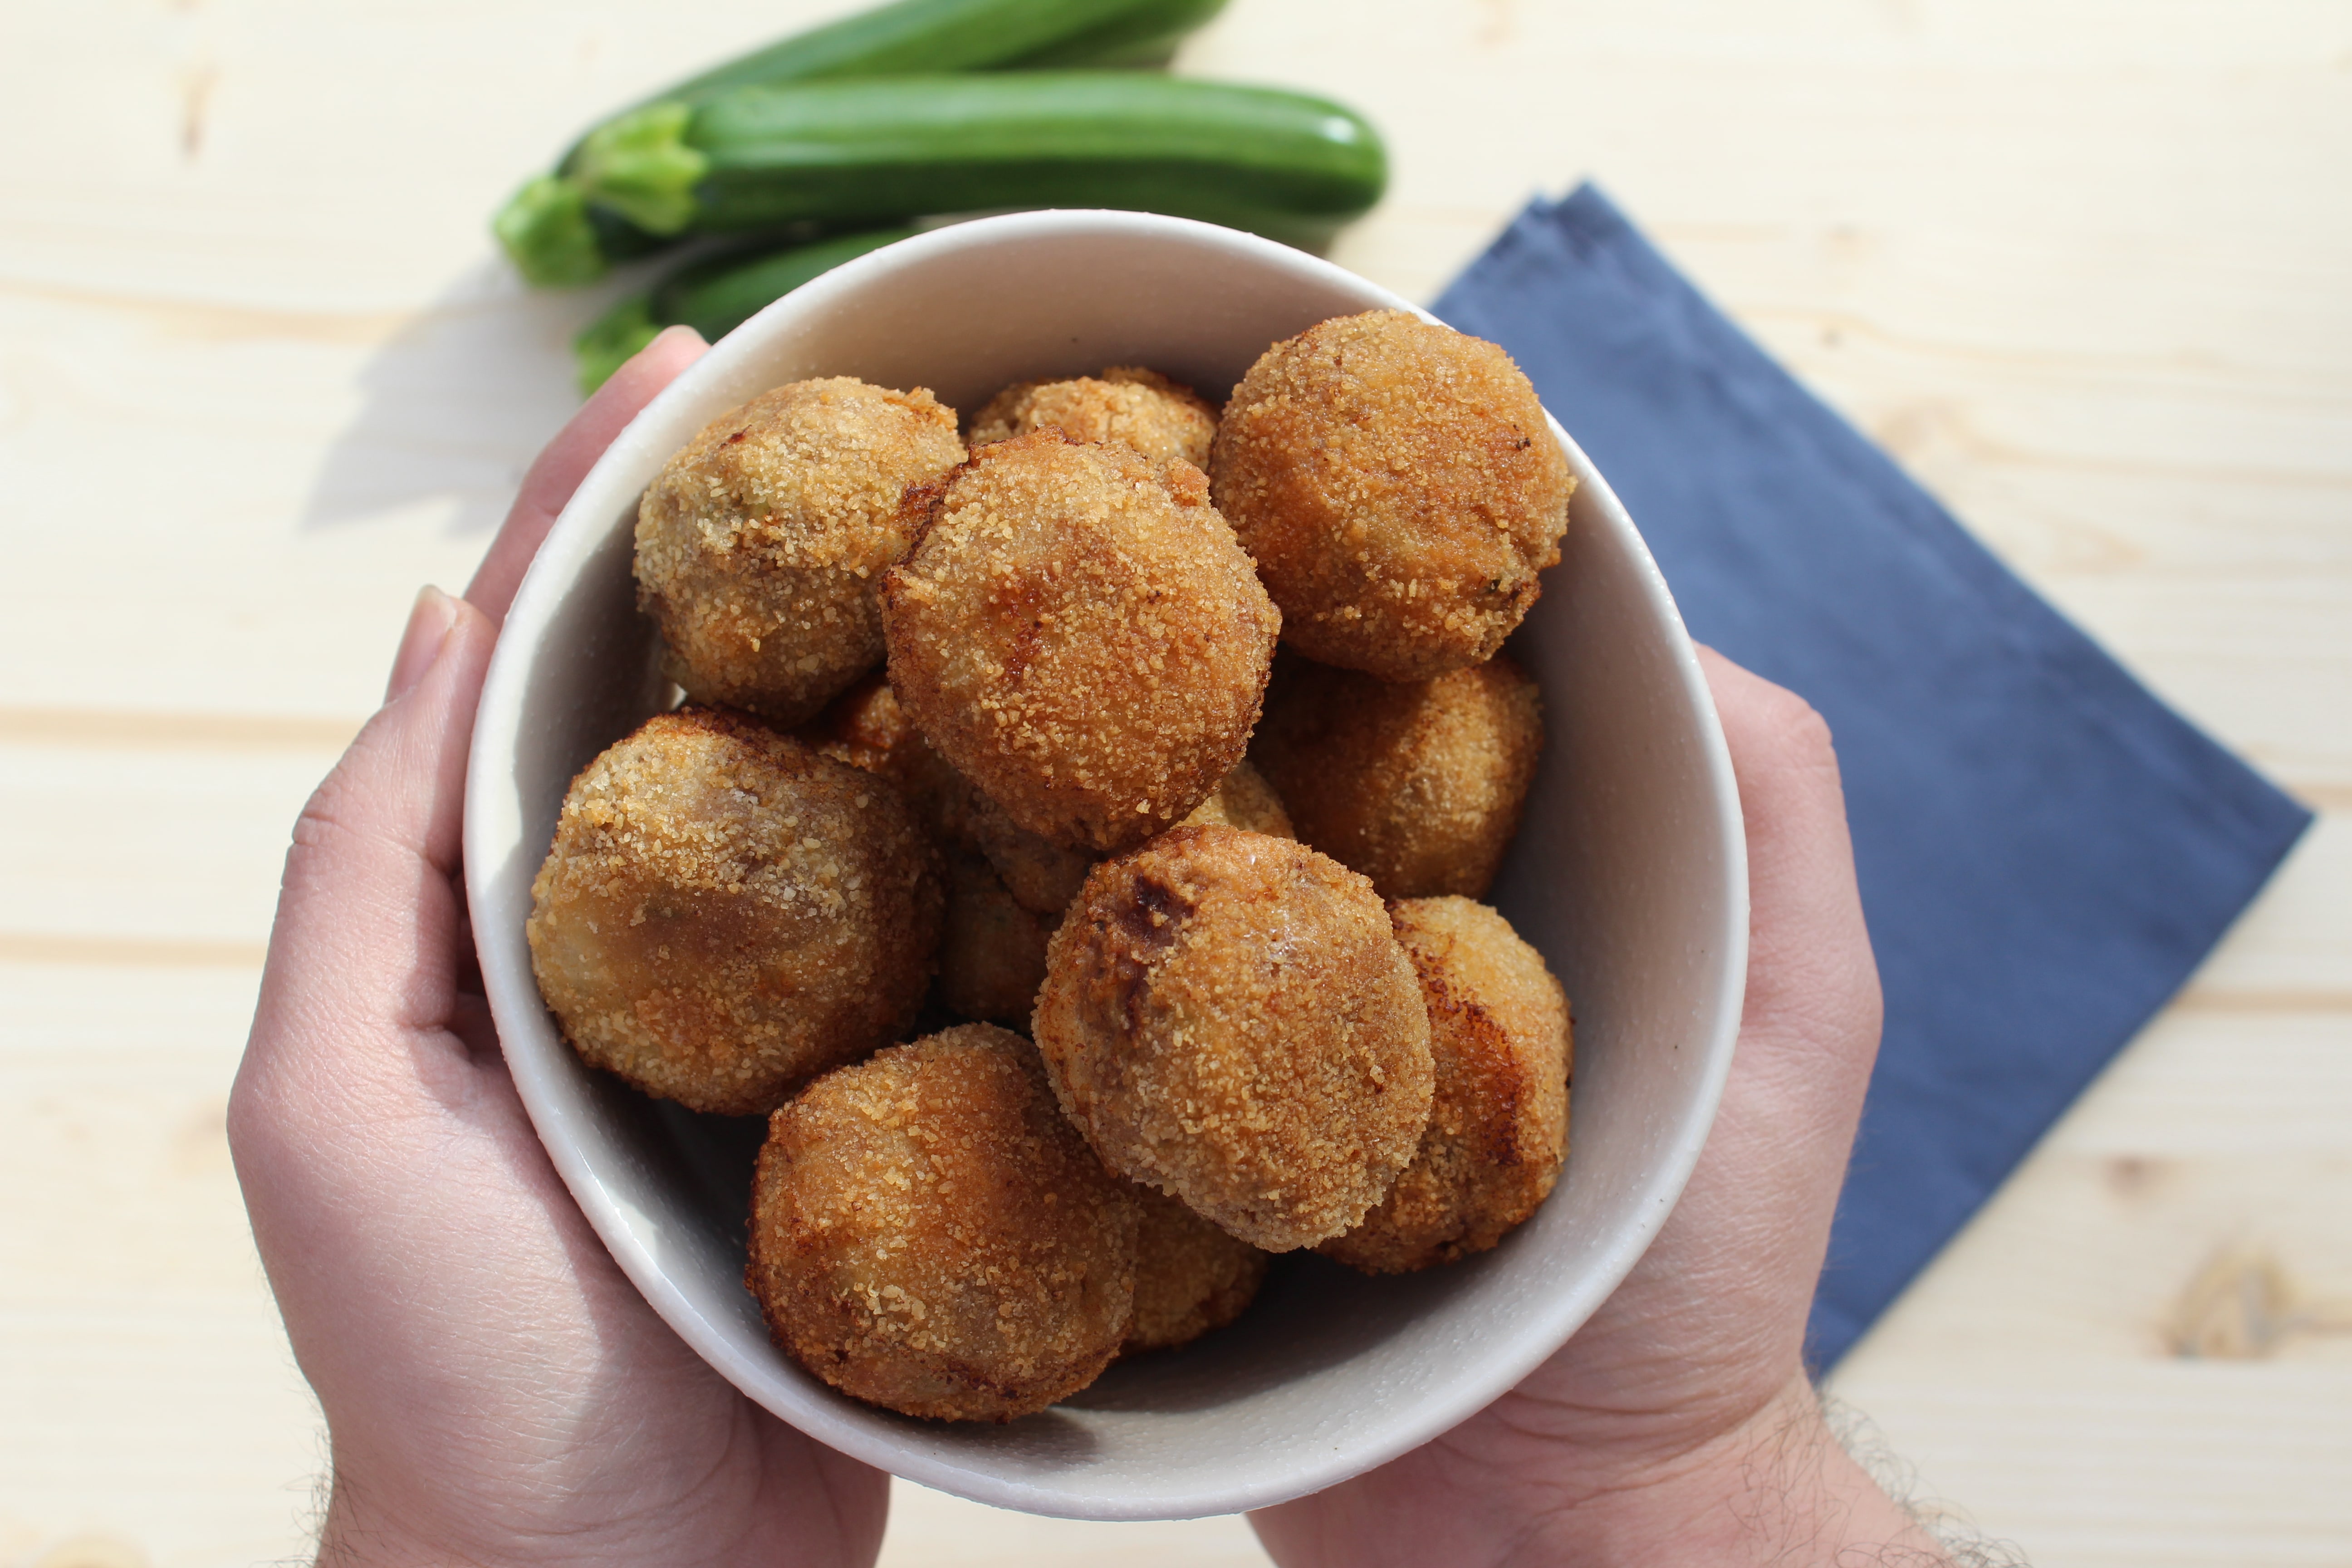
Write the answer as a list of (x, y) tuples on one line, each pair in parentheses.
[(429, 620), (1813, 1000), (1809, 1034), (368, 915), (566, 460)]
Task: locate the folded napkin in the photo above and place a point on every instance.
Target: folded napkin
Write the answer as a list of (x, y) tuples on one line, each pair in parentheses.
[(2045, 849)]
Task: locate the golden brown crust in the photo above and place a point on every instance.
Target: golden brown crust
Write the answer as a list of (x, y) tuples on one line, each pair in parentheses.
[(993, 952), (1399, 488), (1498, 1133), (1042, 876), (761, 545), (866, 727), (1228, 1017), (724, 913), (1079, 633), (1418, 785), (929, 1235), (1139, 408), (1243, 799), (1189, 1276)]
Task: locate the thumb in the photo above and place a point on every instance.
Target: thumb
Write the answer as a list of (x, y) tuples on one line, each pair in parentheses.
[(1809, 1027), (1808, 1034), (368, 913)]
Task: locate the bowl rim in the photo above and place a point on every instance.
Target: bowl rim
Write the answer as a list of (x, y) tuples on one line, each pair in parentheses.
[(585, 523)]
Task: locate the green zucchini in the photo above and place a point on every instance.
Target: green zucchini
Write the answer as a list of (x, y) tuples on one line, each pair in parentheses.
[(1279, 162), (714, 296), (556, 237), (1141, 35), (923, 37)]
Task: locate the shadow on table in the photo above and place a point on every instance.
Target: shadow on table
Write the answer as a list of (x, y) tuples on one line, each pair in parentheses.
[(457, 402)]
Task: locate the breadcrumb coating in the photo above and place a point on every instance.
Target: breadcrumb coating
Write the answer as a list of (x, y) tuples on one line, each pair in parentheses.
[(1189, 1276), (724, 913), (1228, 1017), (1497, 1135), (992, 952), (1042, 876), (1242, 799), (1418, 785), (1077, 633), (761, 545), (929, 1235), (868, 727), (1139, 408), (1399, 490)]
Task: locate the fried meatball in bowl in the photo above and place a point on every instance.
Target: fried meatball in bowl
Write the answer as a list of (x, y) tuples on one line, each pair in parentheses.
[(1419, 784), (1497, 1133), (1138, 408), (761, 545), (1397, 484), (929, 1235), (1079, 633), (866, 727), (1228, 1017), (992, 950), (1191, 1278), (725, 913), (1243, 799)]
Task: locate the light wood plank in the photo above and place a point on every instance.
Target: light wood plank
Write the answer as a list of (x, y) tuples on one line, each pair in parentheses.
[(932, 1530), (148, 1396), (146, 845)]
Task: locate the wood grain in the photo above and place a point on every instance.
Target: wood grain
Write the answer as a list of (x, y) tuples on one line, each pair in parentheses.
[(2078, 264)]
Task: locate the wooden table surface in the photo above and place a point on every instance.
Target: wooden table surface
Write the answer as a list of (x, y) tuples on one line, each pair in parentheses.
[(2080, 265)]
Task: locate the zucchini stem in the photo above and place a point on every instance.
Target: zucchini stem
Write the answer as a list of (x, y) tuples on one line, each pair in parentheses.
[(546, 230), (641, 166), (613, 338)]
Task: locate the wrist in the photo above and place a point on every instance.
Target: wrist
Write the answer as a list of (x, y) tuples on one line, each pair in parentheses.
[(352, 1535), (1778, 1489)]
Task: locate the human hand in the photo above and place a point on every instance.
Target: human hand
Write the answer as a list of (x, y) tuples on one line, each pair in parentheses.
[(1678, 1424), (495, 1391)]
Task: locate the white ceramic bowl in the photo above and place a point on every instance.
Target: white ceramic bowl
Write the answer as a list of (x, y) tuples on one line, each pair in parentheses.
[(1630, 875)]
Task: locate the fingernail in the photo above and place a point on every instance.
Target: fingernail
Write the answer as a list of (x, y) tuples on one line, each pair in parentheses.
[(420, 645)]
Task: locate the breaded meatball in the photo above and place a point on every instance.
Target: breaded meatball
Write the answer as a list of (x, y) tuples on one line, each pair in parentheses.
[(866, 727), (725, 913), (1417, 785), (761, 545), (1189, 1276), (1042, 876), (1228, 1017), (993, 952), (1399, 487), (1136, 408), (1079, 633), (1498, 1132), (1243, 799), (929, 1235)]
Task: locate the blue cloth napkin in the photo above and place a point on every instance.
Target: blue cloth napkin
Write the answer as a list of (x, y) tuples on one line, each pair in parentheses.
[(2046, 851)]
